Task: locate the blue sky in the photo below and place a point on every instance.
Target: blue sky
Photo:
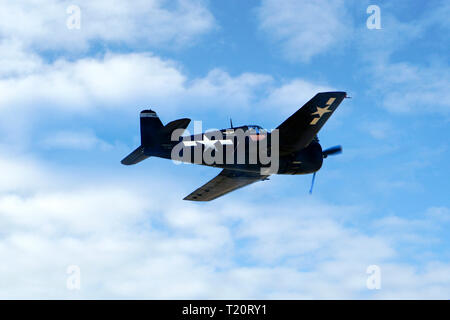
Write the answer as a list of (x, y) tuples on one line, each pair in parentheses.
[(69, 105)]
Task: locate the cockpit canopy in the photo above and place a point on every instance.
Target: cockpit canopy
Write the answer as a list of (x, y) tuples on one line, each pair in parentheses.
[(258, 129), (255, 128)]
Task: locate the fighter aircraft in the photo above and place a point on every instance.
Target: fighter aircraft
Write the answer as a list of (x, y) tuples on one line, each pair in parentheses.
[(293, 146)]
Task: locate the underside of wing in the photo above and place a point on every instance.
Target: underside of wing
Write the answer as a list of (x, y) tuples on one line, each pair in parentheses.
[(225, 182), (299, 130)]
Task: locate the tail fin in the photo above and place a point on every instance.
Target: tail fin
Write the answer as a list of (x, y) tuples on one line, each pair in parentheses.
[(150, 128), (154, 135)]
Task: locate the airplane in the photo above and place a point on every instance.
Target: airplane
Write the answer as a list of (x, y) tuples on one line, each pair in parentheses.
[(298, 149)]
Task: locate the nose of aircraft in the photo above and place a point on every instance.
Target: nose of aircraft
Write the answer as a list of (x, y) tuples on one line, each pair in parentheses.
[(308, 160)]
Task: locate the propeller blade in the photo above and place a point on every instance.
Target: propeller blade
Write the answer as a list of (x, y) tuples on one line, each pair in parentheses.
[(312, 183), (332, 151)]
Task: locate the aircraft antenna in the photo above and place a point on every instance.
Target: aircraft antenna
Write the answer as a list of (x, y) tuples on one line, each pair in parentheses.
[(231, 123)]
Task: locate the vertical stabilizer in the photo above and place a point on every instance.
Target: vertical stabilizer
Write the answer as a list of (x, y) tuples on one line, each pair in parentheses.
[(151, 126)]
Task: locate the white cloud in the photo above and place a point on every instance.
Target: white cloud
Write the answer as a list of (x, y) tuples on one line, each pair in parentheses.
[(292, 95), (130, 245), (415, 231), (408, 282), (439, 213), (74, 140), (16, 61), (121, 81), (42, 25), (21, 174), (438, 15), (409, 88), (110, 81), (378, 129), (235, 92), (406, 86), (305, 29), (87, 83)]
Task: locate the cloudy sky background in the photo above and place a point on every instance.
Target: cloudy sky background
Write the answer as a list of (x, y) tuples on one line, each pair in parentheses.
[(69, 104)]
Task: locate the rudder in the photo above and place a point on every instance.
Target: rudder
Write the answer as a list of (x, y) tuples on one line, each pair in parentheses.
[(151, 126)]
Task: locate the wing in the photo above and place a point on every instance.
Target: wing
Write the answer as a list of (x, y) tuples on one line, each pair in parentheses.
[(226, 181), (300, 129)]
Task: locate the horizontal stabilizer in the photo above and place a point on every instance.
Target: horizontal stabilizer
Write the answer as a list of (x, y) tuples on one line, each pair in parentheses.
[(136, 156), (173, 125)]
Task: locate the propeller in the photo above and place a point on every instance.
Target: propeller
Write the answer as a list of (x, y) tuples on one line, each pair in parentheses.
[(312, 183), (331, 151), (325, 153)]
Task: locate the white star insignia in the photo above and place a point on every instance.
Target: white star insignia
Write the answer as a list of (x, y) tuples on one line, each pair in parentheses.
[(209, 144)]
